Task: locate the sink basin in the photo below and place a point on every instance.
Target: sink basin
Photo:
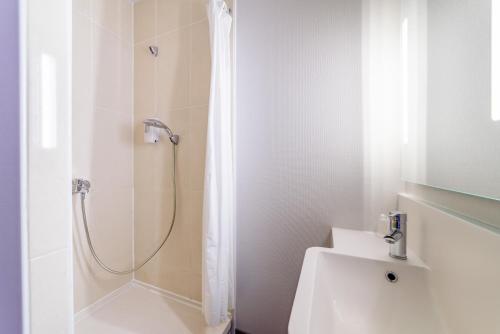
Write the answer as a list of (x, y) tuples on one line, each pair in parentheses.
[(364, 293)]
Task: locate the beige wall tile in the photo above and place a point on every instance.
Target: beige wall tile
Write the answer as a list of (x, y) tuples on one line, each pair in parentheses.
[(81, 6), (173, 14), (153, 162), (196, 232), (152, 223), (126, 86), (106, 68), (83, 120), (115, 16), (198, 10), (82, 52), (195, 282), (144, 20), (185, 207), (109, 207), (127, 21), (176, 81), (103, 146), (197, 147), (199, 89), (178, 119), (173, 70), (145, 70), (111, 160), (152, 216), (107, 13), (175, 255), (192, 162), (110, 221)]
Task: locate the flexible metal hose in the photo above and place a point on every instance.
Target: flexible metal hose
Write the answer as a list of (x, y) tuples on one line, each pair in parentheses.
[(135, 268)]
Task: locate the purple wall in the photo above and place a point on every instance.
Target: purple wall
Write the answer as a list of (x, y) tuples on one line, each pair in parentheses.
[(10, 240)]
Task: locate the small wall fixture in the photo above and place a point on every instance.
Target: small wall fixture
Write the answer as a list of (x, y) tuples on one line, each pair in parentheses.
[(154, 50)]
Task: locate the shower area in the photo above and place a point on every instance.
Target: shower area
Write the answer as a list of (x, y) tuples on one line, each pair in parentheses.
[(141, 84), (136, 76)]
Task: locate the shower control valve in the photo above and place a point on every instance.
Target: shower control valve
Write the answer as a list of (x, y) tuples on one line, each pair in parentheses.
[(81, 186)]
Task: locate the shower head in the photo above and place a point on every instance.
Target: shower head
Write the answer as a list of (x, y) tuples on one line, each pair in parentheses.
[(156, 123)]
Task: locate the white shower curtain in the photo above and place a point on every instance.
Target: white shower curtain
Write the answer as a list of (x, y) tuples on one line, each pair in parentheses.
[(218, 204)]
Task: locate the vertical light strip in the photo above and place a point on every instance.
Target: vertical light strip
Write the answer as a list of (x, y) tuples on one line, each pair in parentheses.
[(404, 77), (48, 101), (495, 66)]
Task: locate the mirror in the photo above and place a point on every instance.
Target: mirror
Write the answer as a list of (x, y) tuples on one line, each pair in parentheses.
[(450, 95)]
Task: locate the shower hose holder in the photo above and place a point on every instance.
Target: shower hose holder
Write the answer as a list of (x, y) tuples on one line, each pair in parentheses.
[(81, 186)]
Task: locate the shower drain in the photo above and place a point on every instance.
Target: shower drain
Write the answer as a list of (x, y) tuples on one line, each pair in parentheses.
[(391, 276)]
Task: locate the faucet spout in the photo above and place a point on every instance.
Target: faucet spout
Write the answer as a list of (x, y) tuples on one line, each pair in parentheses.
[(397, 235), (393, 237)]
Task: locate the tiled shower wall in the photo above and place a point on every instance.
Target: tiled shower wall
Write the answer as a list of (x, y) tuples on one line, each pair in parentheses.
[(173, 87), (103, 143)]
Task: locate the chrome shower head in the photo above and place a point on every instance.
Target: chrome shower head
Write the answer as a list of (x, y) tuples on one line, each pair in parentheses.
[(156, 123)]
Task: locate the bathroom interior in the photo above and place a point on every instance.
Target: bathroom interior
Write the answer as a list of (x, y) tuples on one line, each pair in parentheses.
[(250, 166)]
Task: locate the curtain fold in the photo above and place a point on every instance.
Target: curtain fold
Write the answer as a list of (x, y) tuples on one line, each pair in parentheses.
[(218, 205)]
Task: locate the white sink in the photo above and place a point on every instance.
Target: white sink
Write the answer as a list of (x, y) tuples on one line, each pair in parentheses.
[(344, 290)]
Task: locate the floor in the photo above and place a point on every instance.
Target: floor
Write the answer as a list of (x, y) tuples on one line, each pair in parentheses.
[(137, 309)]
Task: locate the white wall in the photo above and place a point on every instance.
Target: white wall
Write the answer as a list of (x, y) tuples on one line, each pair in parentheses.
[(49, 165), (464, 263), (312, 149), (318, 141), (381, 82)]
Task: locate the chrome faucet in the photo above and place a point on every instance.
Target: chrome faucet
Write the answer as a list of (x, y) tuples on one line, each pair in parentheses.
[(397, 235)]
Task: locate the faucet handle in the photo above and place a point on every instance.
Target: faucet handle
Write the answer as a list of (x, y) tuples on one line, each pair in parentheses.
[(396, 220)]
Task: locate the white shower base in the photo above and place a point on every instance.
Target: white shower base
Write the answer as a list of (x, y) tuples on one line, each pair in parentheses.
[(140, 309)]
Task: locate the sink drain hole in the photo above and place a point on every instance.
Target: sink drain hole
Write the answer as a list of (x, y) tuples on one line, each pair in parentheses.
[(391, 276)]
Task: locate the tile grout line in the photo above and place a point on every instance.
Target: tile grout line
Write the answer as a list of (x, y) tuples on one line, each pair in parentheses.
[(50, 253), (132, 3), (101, 302), (166, 33), (90, 16)]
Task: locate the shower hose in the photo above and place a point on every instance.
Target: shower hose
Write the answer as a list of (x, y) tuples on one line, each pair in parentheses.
[(157, 249)]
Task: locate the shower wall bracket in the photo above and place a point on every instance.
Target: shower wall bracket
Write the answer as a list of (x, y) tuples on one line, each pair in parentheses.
[(80, 186)]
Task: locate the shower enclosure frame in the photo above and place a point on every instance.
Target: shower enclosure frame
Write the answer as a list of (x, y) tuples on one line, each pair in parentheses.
[(45, 114)]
